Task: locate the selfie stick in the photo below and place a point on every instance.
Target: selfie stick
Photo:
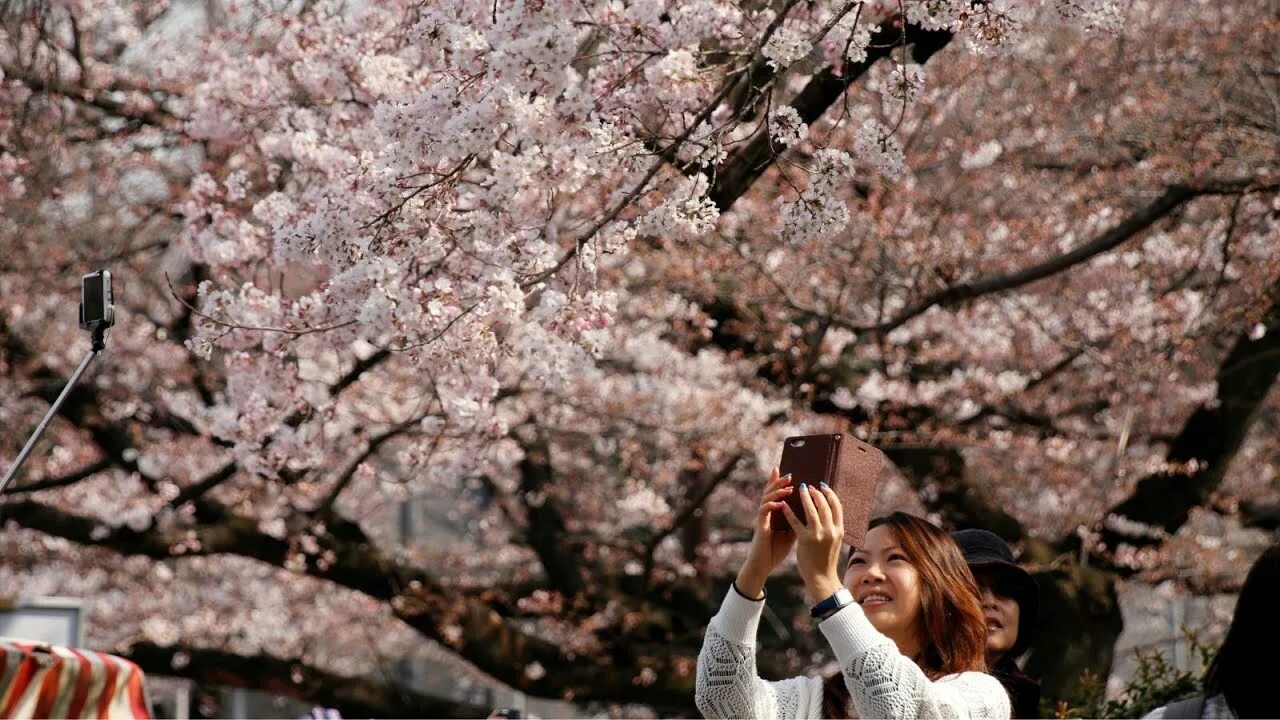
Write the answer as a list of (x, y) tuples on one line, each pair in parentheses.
[(98, 343)]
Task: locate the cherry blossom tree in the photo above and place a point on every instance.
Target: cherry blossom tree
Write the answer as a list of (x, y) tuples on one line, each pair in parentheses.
[(566, 273)]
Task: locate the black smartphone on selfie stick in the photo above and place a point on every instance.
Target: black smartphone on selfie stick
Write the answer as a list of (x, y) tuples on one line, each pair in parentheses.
[(97, 315)]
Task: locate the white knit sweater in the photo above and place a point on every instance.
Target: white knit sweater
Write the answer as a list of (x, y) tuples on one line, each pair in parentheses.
[(882, 682)]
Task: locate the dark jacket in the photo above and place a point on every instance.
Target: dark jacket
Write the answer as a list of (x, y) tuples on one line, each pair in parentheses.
[(1024, 693)]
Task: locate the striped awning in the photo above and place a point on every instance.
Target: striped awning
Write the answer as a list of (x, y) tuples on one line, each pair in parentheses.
[(49, 681)]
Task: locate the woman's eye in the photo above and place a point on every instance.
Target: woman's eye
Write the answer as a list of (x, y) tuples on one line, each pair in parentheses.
[(856, 561)]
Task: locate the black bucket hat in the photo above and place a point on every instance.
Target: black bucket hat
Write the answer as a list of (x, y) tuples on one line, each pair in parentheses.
[(984, 551)]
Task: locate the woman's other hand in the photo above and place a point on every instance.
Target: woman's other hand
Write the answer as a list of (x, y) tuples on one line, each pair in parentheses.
[(769, 547), (818, 554)]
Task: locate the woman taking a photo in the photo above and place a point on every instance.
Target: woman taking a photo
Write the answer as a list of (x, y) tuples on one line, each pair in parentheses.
[(905, 625)]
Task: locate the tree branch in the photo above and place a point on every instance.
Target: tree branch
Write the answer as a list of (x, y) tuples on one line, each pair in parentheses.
[(197, 490), (1208, 442), (692, 507), (375, 443), (468, 625), (746, 165), (668, 154), (63, 481), (353, 696), (98, 100), (699, 498), (1172, 198)]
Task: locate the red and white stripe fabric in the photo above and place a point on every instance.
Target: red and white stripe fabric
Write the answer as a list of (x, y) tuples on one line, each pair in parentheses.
[(49, 681)]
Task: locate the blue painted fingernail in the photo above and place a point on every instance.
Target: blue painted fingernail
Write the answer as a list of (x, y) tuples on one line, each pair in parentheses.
[(787, 477), (803, 486), (825, 486)]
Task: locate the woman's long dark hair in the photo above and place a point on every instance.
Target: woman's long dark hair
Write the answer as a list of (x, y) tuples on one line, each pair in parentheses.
[(955, 632), (1243, 670)]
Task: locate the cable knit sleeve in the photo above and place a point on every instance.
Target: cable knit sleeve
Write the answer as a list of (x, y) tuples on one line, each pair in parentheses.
[(727, 684), (883, 683)]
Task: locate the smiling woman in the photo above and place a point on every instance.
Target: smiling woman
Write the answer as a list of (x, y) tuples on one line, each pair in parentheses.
[(914, 587), (905, 625)]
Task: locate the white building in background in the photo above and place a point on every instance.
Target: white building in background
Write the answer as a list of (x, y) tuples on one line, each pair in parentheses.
[(1158, 619)]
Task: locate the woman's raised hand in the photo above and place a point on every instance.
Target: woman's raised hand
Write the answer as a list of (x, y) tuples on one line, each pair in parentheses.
[(769, 547), (818, 554)]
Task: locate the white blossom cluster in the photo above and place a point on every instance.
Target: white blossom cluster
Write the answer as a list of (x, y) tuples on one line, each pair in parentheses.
[(875, 146), (903, 85), (686, 213), (1106, 15), (813, 216), (785, 126), (788, 44), (936, 14)]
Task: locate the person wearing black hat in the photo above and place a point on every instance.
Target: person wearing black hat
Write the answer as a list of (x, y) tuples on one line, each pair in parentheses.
[(1010, 601)]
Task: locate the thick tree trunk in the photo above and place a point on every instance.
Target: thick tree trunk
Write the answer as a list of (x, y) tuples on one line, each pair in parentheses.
[(1078, 626), (546, 532), (1209, 440)]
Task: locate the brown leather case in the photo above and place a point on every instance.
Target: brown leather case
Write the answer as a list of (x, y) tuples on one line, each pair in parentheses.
[(850, 466)]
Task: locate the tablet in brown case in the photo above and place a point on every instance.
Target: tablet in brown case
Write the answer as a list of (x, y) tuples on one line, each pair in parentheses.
[(850, 466)]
